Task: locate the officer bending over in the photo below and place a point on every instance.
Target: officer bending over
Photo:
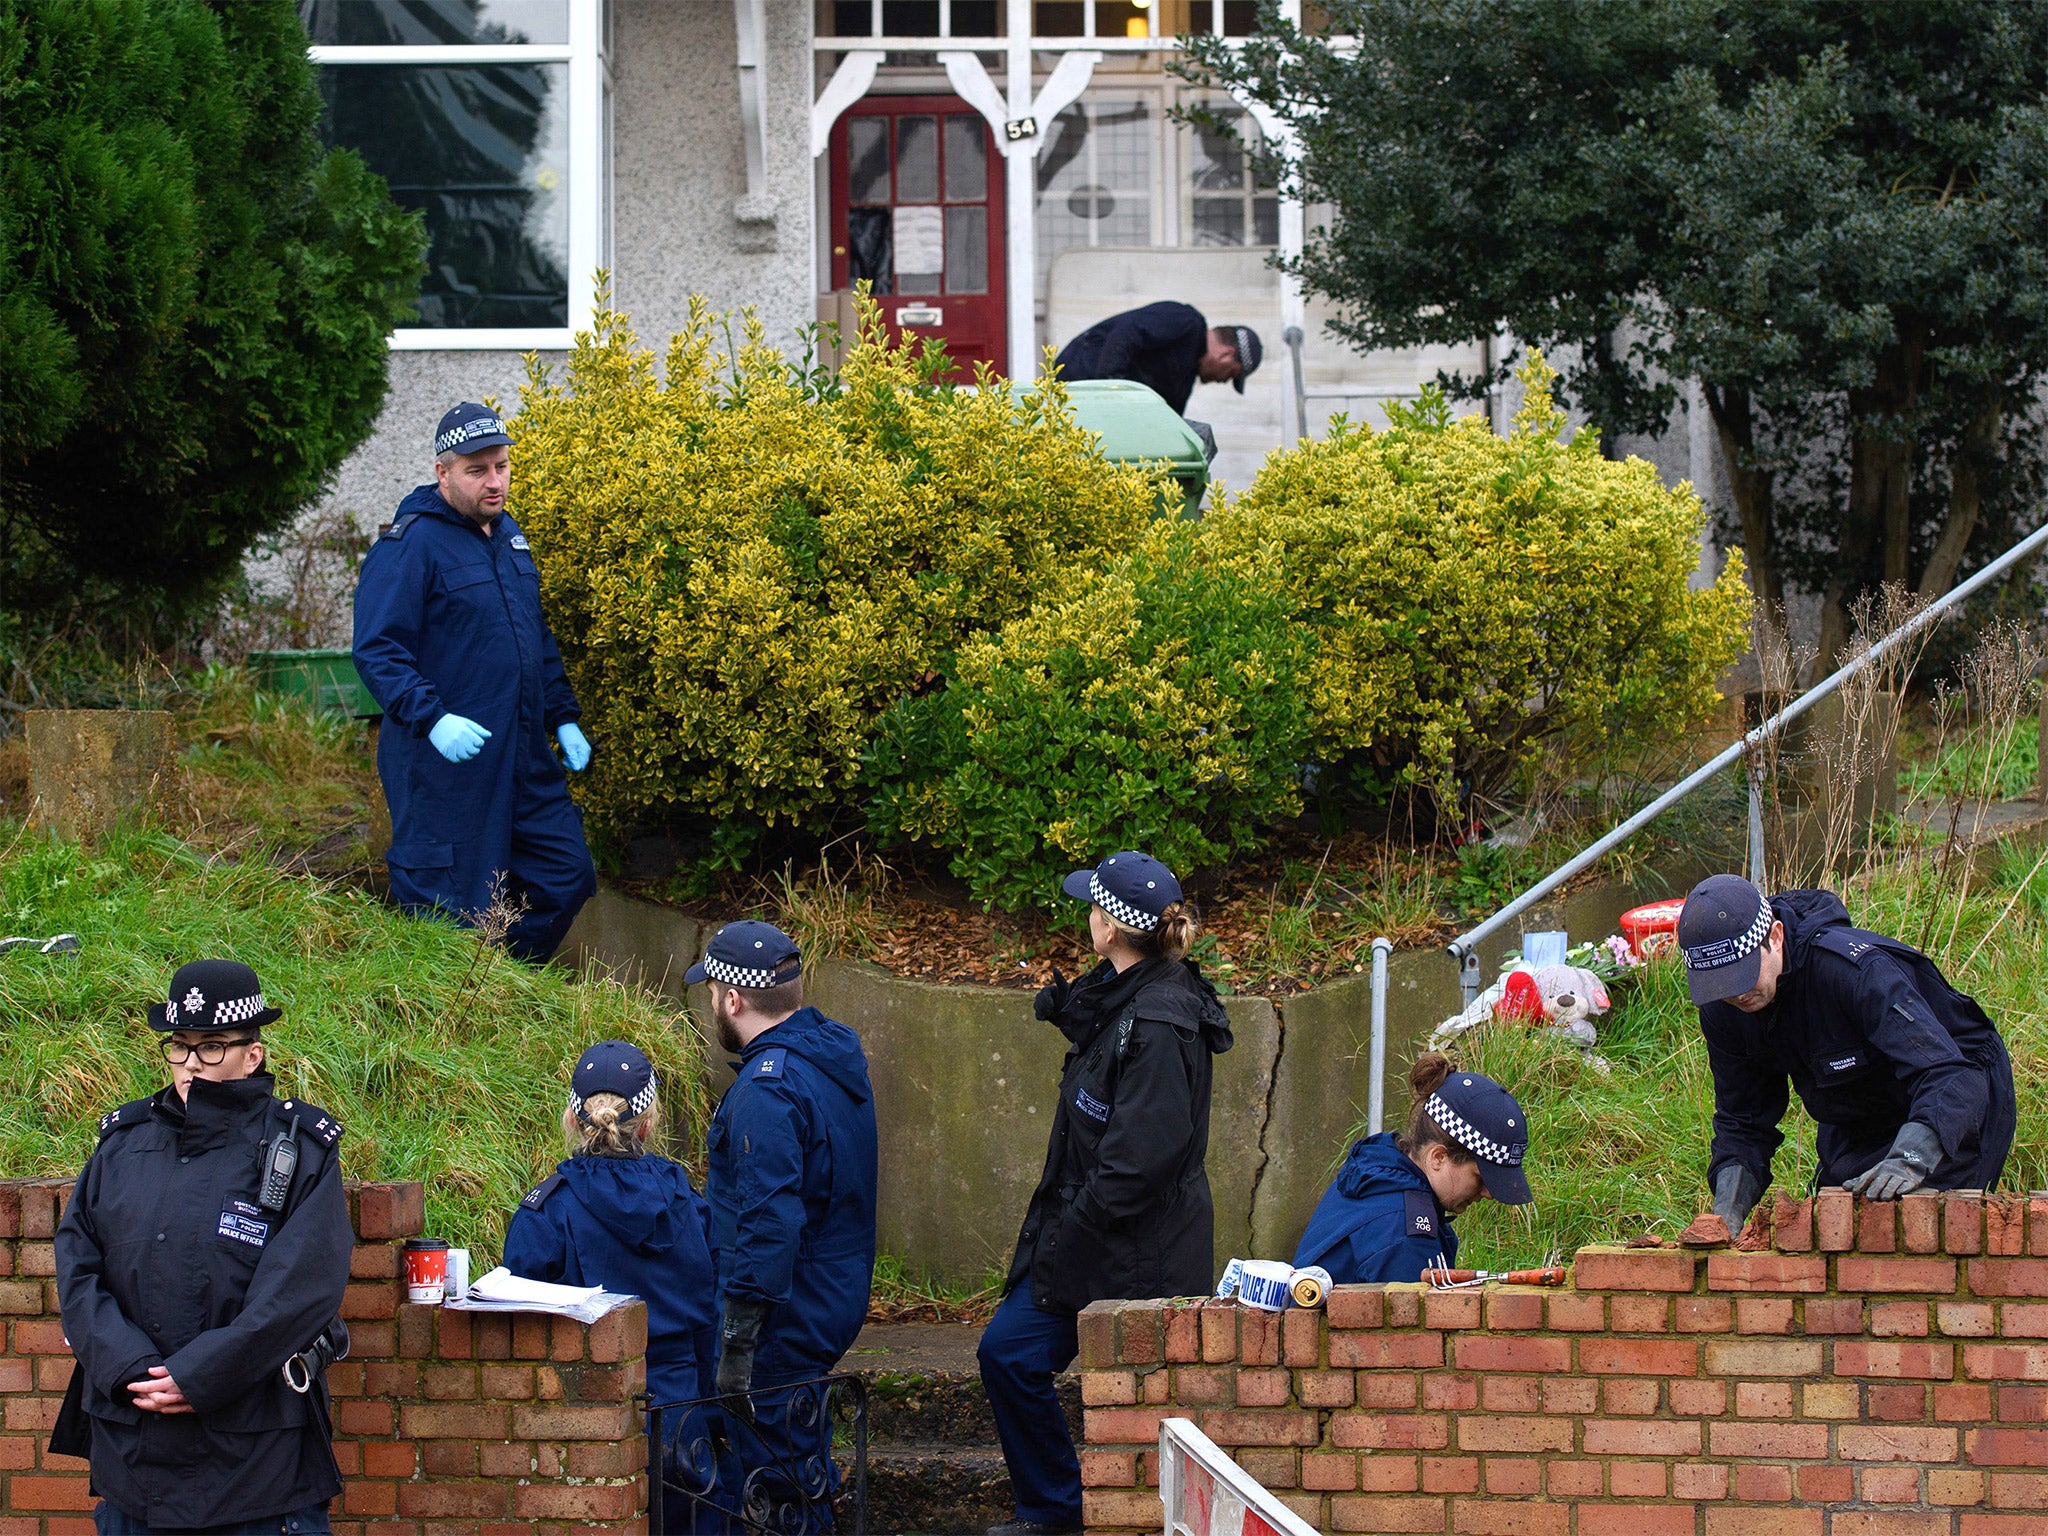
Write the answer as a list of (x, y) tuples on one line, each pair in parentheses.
[(1906, 1077), (206, 1245), (792, 1153)]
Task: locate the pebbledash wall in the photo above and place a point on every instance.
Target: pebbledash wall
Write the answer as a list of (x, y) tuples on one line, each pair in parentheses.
[(1883, 1371), (449, 1422)]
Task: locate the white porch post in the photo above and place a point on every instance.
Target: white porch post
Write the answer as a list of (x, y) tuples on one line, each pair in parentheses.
[(1020, 198), (1293, 236), (587, 192)]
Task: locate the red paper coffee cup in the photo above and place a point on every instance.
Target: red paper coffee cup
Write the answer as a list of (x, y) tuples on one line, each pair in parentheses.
[(426, 1270)]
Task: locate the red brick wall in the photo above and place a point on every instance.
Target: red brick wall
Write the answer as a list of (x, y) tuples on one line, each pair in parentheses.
[(1882, 1372), (461, 1424)]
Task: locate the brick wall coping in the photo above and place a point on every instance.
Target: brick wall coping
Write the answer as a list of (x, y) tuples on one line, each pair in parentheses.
[(1879, 1370)]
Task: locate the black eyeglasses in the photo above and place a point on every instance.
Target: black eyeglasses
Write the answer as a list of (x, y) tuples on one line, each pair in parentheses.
[(210, 1052)]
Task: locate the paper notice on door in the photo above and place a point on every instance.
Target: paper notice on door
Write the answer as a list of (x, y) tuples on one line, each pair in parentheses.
[(920, 238)]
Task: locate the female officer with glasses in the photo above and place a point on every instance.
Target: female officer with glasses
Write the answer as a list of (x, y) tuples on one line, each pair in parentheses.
[(205, 1246), (1123, 1208)]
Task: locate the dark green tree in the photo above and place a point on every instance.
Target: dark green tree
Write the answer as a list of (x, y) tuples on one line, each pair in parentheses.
[(194, 295), (1833, 215)]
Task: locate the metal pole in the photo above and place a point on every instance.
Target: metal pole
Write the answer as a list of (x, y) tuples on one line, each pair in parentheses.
[(1756, 826), (1465, 947), (1292, 336), (1376, 1094)]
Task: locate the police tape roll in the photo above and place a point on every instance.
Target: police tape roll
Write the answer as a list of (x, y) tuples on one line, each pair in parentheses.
[(1233, 1272), (1310, 1286), (1266, 1284)]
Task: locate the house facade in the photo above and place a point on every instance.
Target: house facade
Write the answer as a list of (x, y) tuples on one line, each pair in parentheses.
[(1003, 172)]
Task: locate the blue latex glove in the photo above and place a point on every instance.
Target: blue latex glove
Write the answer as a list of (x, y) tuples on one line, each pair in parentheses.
[(575, 746), (458, 739)]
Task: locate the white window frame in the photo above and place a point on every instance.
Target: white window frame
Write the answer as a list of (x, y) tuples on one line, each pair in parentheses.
[(589, 200)]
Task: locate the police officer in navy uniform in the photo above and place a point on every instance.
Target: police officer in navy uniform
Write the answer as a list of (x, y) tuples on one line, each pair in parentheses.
[(1166, 346), (618, 1214), (1123, 1207), (792, 1153), (204, 1252), (451, 640), (1388, 1214), (1906, 1077)]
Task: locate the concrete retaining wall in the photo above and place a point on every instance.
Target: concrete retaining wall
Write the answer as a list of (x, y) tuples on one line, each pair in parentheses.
[(965, 1080)]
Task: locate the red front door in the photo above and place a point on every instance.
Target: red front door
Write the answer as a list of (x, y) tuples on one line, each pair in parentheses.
[(917, 211)]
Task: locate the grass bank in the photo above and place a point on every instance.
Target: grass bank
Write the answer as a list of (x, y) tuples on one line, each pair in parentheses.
[(446, 1061), (1625, 1152)]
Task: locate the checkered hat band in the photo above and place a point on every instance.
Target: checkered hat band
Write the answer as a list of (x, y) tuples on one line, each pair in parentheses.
[(639, 1104), (1468, 1135), (468, 431), (745, 976), (1719, 952), (232, 1010), (1122, 911)]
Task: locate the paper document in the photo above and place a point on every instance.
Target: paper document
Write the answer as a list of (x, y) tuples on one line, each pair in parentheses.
[(920, 239), (503, 1291)]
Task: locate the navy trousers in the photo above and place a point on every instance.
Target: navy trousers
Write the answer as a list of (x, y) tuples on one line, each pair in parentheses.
[(1022, 1350)]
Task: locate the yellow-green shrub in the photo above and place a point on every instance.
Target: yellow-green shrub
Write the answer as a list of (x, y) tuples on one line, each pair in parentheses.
[(1154, 705), (1479, 597), (748, 561)]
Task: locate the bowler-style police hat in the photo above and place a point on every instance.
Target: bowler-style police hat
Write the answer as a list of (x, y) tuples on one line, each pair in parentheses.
[(1721, 932), (1484, 1118), (470, 428), (613, 1066), (210, 995), (748, 954), (1133, 888)]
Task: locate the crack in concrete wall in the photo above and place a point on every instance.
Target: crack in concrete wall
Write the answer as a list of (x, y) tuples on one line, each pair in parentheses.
[(1251, 1210)]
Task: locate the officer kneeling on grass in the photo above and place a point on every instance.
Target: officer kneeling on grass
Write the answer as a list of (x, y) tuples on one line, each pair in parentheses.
[(1388, 1214), (1906, 1076), (201, 1264)]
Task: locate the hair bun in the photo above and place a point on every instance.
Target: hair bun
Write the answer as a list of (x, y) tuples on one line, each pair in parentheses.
[(1428, 1074)]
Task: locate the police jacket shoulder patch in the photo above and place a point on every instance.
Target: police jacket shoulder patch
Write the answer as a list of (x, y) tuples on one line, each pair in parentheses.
[(314, 1122), (134, 1112), (519, 542), (769, 1064), (1851, 944), (400, 524), (1418, 1214), (537, 1196)]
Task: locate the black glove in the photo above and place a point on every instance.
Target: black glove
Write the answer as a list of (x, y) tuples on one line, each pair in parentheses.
[(1735, 1195), (1915, 1153), (1052, 1000), (736, 1340)]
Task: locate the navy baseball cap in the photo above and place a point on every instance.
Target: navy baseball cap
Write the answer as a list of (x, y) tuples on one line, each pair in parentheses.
[(1133, 888), (613, 1066), (1721, 932), (748, 954), (1248, 354), (1485, 1119), (470, 428), (212, 995)]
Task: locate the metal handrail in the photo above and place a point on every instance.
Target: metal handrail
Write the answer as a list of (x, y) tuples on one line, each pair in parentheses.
[(1465, 947)]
